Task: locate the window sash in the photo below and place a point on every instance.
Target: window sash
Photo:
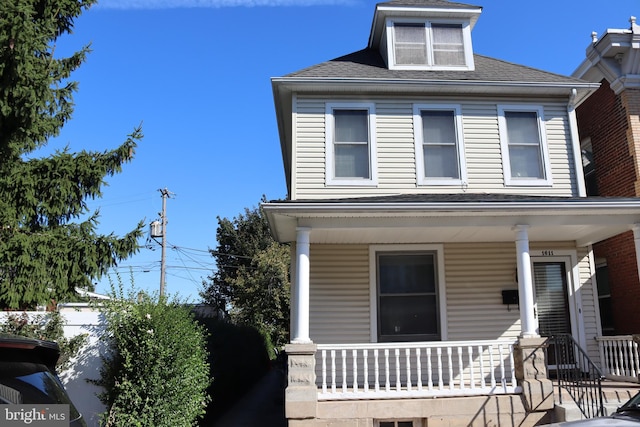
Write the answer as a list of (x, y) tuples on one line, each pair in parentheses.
[(351, 144), (407, 297), (524, 145), (448, 44), (410, 44), (440, 144), (415, 45)]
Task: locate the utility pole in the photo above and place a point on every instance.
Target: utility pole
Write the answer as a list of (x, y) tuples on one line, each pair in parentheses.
[(163, 216)]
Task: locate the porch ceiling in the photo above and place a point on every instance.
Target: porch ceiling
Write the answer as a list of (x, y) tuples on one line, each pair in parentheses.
[(582, 221)]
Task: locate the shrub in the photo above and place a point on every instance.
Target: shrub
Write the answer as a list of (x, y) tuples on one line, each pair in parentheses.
[(156, 372), (47, 326)]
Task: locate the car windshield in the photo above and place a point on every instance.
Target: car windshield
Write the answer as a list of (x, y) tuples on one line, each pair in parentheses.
[(32, 383), (631, 409)]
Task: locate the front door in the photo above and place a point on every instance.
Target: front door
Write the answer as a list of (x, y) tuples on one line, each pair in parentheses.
[(551, 300), (552, 303)]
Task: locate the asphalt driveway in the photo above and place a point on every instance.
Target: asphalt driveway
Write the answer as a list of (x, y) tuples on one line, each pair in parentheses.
[(262, 406)]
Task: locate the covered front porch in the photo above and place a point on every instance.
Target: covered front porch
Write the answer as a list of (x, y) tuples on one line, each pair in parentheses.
[(485, 351)]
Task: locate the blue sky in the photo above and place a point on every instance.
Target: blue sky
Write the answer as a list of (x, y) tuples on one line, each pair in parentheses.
[(196, 74)]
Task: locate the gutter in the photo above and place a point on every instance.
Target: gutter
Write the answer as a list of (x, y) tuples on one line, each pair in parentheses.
[(341, 207), (342, 81)]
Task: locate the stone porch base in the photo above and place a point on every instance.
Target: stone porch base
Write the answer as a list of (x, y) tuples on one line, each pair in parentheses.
[(480, 411)]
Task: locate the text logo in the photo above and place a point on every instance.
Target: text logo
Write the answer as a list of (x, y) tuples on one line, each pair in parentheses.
[(34, 415)]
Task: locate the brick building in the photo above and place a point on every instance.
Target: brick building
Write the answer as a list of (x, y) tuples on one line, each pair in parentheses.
[(609, 128)]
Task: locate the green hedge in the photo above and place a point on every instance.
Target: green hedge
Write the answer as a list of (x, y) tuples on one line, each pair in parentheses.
[(156, 373)]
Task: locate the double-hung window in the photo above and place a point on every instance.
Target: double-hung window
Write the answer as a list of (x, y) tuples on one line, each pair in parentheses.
[(439, 145), (523, 140), (408, 294), (350, 144), (426, 44)]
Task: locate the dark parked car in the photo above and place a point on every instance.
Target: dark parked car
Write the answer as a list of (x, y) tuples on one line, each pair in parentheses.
[(28, 375), (628, 415)]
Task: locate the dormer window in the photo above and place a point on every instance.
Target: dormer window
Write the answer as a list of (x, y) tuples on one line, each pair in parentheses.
[(429, 45)]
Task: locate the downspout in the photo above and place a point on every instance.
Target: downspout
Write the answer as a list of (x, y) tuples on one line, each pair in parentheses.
[(575, 143)]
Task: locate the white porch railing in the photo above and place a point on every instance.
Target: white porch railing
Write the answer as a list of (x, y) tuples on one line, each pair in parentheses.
[(619, 357), (421, 369)]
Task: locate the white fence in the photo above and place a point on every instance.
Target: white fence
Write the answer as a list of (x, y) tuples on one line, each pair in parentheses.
[(86, 366), (397, 370), (619, 357)]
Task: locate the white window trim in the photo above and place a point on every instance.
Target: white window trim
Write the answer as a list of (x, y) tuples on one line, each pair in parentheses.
[(329, 149), (547, 181), (417, 126), (466, 37), (373, 283)]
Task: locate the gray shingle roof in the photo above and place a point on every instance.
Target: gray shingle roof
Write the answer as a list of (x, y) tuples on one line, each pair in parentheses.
[(368, 64)]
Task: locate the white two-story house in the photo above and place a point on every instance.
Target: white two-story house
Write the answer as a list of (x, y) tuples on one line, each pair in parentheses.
[(439, 225)]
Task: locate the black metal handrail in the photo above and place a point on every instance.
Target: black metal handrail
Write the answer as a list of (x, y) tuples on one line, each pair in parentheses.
[(578, 376)]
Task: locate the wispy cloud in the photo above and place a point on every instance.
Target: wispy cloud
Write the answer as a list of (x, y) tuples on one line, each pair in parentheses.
[(211, 4)]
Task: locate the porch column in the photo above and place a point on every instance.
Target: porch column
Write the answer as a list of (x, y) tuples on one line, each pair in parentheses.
[(636, 241), (300, 303), (525, 283)]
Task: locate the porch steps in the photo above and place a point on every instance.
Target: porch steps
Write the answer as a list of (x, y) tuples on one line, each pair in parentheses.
[(615, 394)]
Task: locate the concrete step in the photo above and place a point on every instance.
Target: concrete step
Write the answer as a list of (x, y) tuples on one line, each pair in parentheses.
[(614, 394)]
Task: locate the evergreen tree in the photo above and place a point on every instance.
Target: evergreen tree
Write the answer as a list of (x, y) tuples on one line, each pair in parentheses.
[(251, 282), (44, 254)]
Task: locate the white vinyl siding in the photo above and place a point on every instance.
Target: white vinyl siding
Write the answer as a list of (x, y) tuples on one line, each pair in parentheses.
[(339, 294), (396, 158), (396, 153), (476, 275), (588, 295)]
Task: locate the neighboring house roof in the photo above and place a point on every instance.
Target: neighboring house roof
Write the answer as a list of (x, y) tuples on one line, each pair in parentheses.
[(453, 218), (613, 57)]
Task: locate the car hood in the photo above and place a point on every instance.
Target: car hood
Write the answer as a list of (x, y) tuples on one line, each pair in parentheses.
[(607, 421)]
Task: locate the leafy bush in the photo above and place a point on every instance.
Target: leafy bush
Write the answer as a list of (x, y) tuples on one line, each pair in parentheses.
[(47, 326), (156, 373)]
